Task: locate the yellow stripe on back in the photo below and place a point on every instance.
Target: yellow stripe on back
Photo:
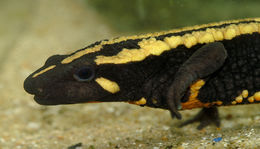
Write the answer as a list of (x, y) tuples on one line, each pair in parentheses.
[(152, 46), (147, 47), (189, 40)]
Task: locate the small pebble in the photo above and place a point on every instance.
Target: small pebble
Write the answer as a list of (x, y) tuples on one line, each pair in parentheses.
[(218, 139)]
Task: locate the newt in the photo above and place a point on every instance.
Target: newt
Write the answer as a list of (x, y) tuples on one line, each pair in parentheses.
[(203, 66)]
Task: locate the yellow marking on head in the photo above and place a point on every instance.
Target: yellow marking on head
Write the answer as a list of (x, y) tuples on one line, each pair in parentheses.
[(245, 93), (152, 46), (239, 99), (108, 85), (43, 71), (251, 99), (257, 96), (142, 101)]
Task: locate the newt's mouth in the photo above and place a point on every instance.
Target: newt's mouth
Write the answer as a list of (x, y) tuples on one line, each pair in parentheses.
[(43, 101), (71, 94), (49, 101)]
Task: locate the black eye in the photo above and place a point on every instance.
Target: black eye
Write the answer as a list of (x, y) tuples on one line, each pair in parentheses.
[(84, 74)]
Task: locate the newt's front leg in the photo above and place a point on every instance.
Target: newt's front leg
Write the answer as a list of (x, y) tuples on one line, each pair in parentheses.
[(206, 60)]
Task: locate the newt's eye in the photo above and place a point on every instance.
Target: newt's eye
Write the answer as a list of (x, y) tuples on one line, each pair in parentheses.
[(84, 74)]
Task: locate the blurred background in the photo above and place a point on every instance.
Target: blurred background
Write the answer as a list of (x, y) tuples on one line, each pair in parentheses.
[(150, 15), (33, 30)]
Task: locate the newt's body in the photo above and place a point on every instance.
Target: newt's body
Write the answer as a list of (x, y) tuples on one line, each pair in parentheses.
[(202, 66)]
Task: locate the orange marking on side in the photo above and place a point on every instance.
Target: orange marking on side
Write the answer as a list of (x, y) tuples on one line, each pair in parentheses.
[(193, 102), (257, 96), (218, 103), (142, 101)]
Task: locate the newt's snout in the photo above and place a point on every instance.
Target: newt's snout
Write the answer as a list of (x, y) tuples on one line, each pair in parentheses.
[(29, 86)]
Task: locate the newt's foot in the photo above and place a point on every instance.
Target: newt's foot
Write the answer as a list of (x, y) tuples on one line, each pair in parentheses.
[(206, 117)]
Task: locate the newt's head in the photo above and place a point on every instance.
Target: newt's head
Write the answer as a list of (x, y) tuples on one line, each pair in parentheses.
[(83, 76)]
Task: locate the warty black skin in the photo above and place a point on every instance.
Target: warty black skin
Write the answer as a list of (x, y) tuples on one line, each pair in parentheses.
[(165, 78)]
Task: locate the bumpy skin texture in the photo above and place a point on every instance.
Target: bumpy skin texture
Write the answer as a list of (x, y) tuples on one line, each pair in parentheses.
[(228, 66), (240, 71), (206, 60), (154, 74)]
